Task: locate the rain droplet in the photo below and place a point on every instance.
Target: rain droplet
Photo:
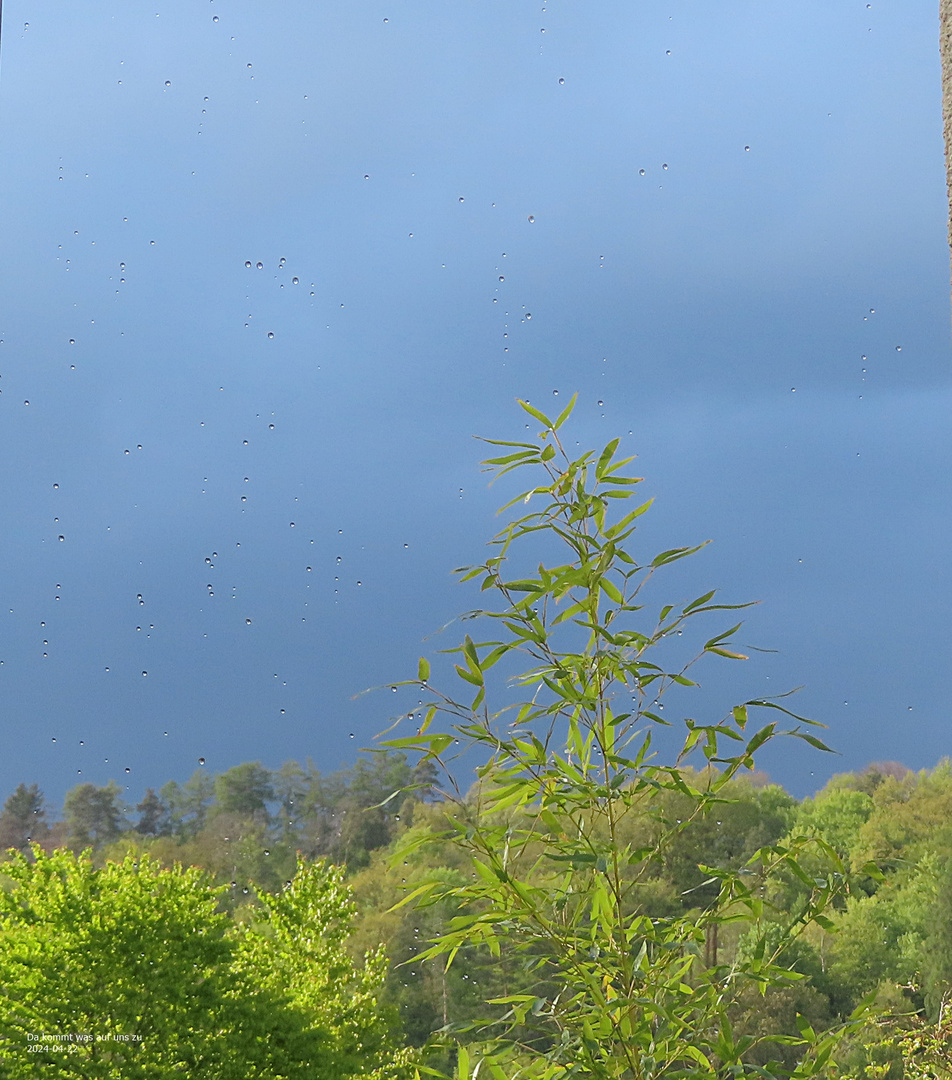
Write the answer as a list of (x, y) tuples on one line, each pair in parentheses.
[(61, 537), (664, 166), (641, 172), (501, 278), (528, 314), (295, 281), (271, 338), (72, 341), (247, 622), (561, 82), (601, 403), (214, 18), (461, 199), (247, 264), (144, 673), (259, 266), (747, 148), (201, 761), (168, 82), (531, 218), (898, 348)]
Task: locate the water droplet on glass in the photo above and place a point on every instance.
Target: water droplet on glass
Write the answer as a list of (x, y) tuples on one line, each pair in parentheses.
[(528, 314), (898, 348), (168, 82), (201, 761), (271, 338), (247, 622), (247, 264), (72, 341), (214, 18), (601, 403), (61, 537), (531, 218), (561, 82), (501, 278), (664, 167), (259, 266), (295, 281), (667, 52)]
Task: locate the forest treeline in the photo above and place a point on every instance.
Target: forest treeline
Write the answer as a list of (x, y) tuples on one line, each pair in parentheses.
[(247, 828)]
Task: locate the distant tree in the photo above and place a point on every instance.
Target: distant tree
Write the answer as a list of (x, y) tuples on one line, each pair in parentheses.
[(155, 815), (188, 803), (245, 789), (356, 811), (93, 815), (23, 818), (290, 784)]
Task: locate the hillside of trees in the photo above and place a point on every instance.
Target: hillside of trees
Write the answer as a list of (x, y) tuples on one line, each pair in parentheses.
[(248, 827)]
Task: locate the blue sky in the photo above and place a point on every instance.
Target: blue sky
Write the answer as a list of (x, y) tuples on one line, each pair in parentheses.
[(765, 308)]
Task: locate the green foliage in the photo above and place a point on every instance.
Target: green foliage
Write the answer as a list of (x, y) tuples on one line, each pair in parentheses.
[(131, 971), (573, 814)]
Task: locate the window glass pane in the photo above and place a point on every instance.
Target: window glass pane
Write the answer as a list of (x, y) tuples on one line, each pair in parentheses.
[(268, 268)]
